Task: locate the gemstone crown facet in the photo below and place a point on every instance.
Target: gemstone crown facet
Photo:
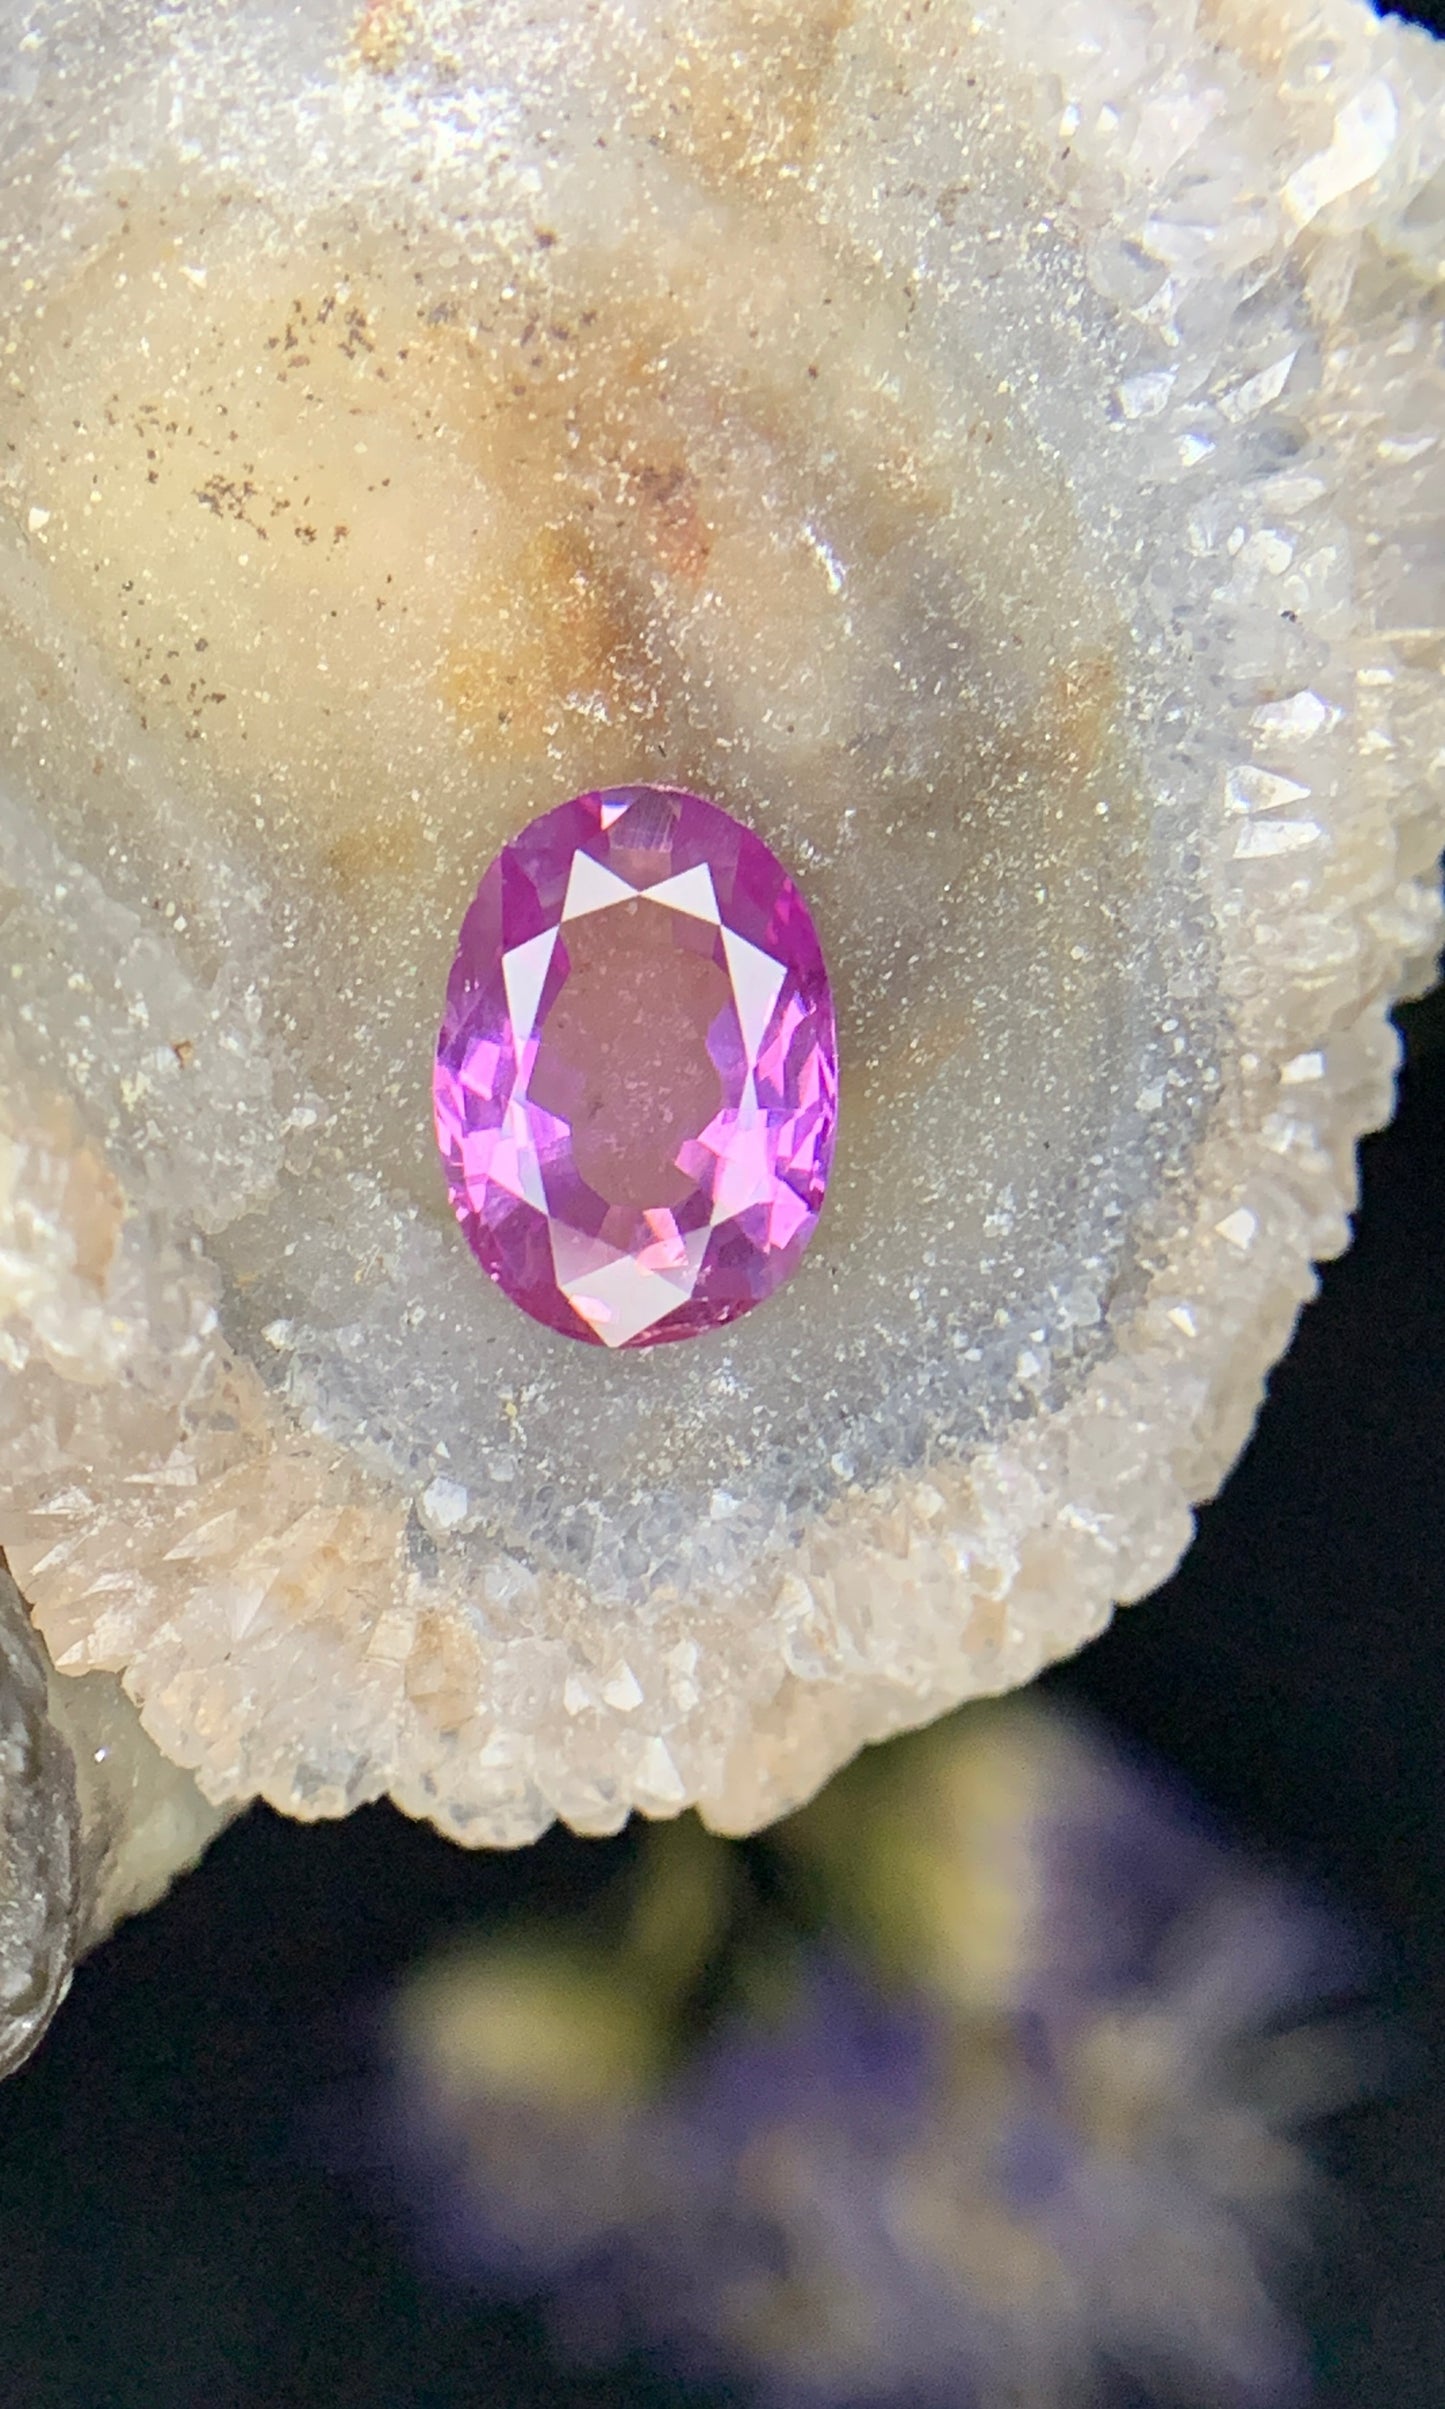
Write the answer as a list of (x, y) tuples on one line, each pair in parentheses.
[(637, 1074)]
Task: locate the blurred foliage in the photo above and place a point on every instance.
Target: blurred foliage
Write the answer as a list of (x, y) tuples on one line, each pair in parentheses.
[(978, 2079)]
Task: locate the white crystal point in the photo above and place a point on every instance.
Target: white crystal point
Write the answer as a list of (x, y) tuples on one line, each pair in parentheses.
[(994, 451)]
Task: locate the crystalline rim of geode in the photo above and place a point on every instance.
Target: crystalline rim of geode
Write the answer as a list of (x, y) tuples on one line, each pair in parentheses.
[(289, 1596)]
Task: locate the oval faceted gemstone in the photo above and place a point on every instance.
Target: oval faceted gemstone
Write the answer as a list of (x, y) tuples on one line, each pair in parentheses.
[(637, 1075)]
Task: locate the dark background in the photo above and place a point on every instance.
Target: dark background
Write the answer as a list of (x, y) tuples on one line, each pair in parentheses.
[(169, 2241)]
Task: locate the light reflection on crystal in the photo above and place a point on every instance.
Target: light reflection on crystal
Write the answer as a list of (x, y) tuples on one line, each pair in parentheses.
[(635, 1099), (536, 513)]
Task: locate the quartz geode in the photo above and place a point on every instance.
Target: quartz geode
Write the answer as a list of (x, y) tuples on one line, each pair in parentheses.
[(995, 452)]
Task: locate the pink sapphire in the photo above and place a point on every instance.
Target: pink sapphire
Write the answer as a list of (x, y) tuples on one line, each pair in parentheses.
[(637, 1075)]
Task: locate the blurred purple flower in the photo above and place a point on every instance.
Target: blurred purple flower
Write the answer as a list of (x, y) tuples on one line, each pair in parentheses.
[(882, 2195)]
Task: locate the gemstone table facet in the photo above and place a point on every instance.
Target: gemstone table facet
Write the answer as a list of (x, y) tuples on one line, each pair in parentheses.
[(636, 1078)]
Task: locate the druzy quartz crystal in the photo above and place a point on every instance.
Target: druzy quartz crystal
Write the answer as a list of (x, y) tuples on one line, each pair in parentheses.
[(995, 450), (637, 1076)]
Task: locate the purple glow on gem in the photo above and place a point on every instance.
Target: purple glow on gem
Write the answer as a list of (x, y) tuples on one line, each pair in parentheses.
[(637, 1074)]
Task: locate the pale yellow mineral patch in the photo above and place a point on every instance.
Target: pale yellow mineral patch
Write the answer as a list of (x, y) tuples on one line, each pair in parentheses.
[(383, 32), (996, 453)]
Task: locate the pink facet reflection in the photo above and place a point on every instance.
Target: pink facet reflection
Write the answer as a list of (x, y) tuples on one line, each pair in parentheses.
[(637, 1074)]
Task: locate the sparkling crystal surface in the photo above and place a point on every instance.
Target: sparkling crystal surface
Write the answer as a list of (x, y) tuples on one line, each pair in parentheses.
[(996, 448), (636, 1081)]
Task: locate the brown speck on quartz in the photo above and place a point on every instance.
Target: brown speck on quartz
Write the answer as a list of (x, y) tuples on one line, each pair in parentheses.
[(1026, 547)]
